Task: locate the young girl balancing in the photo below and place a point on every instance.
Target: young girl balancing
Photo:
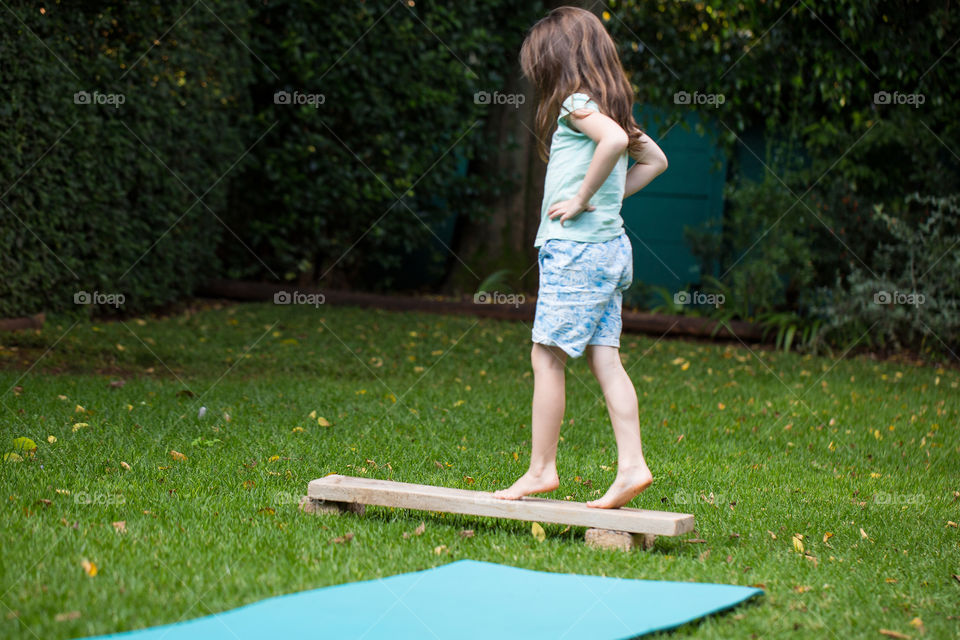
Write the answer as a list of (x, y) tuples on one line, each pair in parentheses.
[(586, 261)]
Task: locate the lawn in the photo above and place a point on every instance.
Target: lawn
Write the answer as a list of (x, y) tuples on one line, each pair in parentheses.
[(832, 484)]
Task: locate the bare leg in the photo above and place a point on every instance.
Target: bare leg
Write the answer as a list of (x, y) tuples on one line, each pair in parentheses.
[(548, 405), (633, 475)]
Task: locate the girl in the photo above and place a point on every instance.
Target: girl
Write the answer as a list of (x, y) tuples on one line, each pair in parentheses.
[(586, 261)]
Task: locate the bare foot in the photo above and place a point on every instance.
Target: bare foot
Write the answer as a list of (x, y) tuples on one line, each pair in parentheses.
[(628, 484), (528, 483)]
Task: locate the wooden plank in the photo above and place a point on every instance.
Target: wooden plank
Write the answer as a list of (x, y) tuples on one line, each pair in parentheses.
[(404, 495)]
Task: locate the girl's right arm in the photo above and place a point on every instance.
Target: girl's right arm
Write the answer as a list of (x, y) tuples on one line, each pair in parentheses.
[(650, 163)]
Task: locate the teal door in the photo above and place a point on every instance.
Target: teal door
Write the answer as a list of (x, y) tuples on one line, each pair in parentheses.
[(688, 193)]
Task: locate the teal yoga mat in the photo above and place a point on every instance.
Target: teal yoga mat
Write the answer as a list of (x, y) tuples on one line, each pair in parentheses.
[(465, 599)]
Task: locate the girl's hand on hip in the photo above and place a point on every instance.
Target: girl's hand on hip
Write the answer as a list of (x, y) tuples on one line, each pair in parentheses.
[(567, 209)]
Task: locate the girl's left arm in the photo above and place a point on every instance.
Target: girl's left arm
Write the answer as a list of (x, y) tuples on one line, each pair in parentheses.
[(650, 163)]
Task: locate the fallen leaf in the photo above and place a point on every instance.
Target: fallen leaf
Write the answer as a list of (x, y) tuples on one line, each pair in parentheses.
[(79, 425), (827, 536), (51, 439), (951, 523), (695, 540), (66, 616), (323, 422), (176, 455), (538, 532), (347, 537), (466, 533), (893, 634), (798, 543), (440, 549), (125, 465), (863, 534), (89, 567), (117, 384), (772, 534), (120, 526), (802, 588)]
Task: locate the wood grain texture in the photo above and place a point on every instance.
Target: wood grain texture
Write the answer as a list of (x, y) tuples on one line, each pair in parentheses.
[(404, 495)]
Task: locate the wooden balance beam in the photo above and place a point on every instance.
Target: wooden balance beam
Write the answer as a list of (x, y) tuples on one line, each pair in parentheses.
[(623, 528)]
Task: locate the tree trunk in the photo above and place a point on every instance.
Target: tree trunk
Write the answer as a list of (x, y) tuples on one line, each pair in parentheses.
[(503, 237)]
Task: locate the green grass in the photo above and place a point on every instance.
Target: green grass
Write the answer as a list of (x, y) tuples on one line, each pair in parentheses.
[(755, 443)]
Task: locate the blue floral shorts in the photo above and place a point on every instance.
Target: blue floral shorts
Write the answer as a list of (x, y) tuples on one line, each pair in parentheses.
[(581, 293)]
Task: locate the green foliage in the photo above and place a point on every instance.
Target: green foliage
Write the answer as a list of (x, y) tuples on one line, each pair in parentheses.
[(854, 99), (910, 296), (354, 184), (103, 197)]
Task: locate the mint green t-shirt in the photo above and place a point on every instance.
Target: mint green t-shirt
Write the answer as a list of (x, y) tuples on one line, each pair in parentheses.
[(570, 154)]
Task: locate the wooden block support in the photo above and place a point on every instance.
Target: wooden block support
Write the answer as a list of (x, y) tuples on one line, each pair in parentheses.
[(346, 489), (623, 540), (310, 505)]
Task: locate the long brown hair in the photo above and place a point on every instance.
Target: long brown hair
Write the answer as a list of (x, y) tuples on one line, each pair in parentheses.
[(569, 51)]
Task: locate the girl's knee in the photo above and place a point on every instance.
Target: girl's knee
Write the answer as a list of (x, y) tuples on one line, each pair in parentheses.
[(545, 357)]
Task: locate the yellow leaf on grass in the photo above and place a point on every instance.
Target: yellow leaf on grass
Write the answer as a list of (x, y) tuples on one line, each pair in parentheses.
[(297, 430), (323, 422), (798, 543), (827, 536), (120, 526), (89, 567), (313, 415), (273, 458), (684, 366), (176, 455), (51, 439), (678, 361), (721, 406), (125, 465), (538, 532)]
